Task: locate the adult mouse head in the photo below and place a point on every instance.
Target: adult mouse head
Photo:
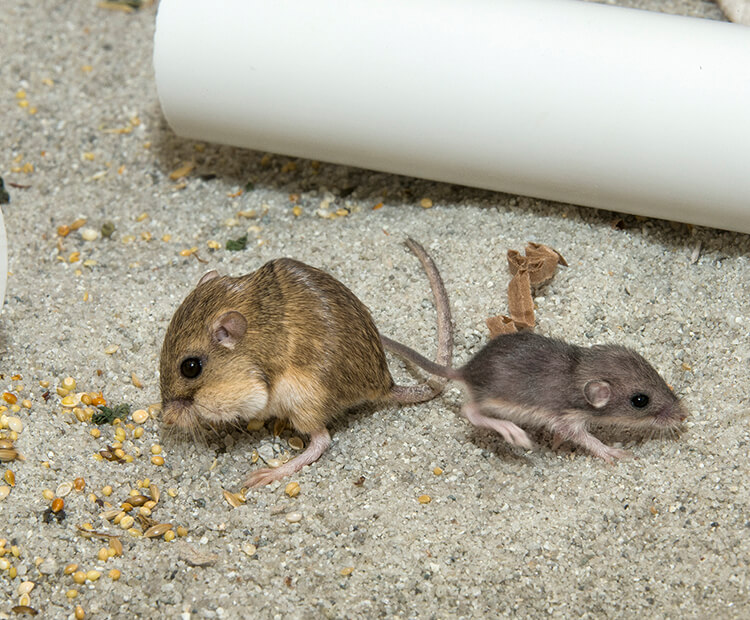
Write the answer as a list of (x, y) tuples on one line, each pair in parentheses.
[(619, 386), (206, 373)]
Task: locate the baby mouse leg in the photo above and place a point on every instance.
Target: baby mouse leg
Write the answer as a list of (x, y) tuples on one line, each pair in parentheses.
[(319, 442), (513, 434), (576, 432)]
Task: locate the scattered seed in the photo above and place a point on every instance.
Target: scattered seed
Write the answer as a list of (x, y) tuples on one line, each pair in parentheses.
[(157, 530), (157, 460), (79, 577), (140, 416), (79, 613), (107, 491), (95, 433), (424, 499), (8, 454), (25, 588), (273, 463), (156, 449), (249, 548), (48, 494), (437, 471), (10, 477), (71, 594), (137, 500), (9, 398), (136, 381), (24, 609), (182, 531), (57, 504), (15, 424), (233, 499), (63, 489), (4, 491), (295, 443), (70, 569), (155, 493), (103, 554), (93, 575), (294, 517), (127, 522), (292, 489), (24, 600), (79, 484), (169, 535), (115, 544), (346, 571), (114, 574), (111, 349), (182, 171), (425, 203)]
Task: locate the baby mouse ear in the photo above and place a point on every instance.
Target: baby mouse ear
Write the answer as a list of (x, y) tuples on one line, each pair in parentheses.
[(229, 329), (597, 393), (209, 275)]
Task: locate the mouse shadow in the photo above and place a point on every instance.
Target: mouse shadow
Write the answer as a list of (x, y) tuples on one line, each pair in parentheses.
[(258, 170)]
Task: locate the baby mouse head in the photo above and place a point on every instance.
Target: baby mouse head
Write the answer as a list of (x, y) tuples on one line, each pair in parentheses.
[(205, 376), (621, 387)]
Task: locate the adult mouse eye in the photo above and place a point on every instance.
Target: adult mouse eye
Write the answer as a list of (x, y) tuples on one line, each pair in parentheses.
[(639, 401), (191, 367)]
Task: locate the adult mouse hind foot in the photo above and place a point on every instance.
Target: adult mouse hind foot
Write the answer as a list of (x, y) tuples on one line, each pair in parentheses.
[(319, 442)]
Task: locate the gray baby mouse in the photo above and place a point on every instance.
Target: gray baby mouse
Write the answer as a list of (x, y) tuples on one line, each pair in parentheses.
[(532, 380), (286, 341)]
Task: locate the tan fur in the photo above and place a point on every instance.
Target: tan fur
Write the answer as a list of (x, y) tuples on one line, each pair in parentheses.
[(286, 341)]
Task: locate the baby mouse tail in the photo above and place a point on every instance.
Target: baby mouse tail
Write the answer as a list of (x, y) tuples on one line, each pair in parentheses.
[(441, 367)]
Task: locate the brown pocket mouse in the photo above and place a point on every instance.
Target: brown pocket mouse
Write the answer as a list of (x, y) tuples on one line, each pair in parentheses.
[(287, 341), (528, 379)]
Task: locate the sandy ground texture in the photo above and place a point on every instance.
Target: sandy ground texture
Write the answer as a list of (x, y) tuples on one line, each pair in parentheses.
[(507, 532)]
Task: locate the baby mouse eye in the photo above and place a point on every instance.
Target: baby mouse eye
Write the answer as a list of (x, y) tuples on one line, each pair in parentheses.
[(639, 401), (191, 367)]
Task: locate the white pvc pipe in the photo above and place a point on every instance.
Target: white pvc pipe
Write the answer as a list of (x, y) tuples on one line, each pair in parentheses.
[(560, 99)]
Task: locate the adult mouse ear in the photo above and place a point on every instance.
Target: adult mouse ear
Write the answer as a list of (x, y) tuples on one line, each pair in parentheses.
[(209, 275), (229, 329), (597, 393)]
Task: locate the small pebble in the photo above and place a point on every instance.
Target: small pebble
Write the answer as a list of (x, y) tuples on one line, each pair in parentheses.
[(294, 517)]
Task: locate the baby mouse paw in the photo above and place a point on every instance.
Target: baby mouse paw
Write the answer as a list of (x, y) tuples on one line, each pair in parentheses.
[(611, 454)]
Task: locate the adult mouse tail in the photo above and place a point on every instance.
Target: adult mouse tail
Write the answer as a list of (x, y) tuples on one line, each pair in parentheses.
[(441, 366)]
